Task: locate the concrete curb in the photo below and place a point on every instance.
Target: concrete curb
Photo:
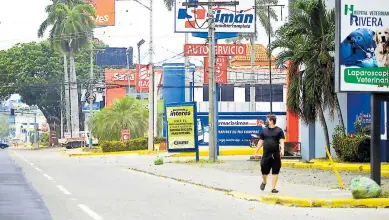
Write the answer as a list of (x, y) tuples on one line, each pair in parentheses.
[(323, 165), (286, 201), (326, 203), (223, 152), (141, 152)]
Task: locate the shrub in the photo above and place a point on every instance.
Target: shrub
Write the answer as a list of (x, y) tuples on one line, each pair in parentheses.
[(113, 146), (352, 147), (44, 139), (131, 145)]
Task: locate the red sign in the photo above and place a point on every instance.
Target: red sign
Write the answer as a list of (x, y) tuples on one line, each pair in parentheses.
[(125, 135), (220, 49), (143, 81), (220, 70)]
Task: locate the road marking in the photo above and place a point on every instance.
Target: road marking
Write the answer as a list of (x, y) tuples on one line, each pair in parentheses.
[(20, 156), (65, 191), (31, 164), (38, 169), (90, 212), (48, 177)]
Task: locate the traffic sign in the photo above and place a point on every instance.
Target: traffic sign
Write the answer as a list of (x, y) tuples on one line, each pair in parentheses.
[(220, 49)]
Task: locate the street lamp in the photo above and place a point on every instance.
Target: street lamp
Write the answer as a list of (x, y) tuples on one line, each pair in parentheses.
[(139, 44)]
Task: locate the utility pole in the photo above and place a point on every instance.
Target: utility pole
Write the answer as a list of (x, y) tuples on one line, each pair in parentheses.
[(211, 71), (91, 91), (253, 105), (151, 83), (61, 112), (269, 48)]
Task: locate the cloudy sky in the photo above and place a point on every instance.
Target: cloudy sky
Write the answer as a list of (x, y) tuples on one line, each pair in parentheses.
[(20, 20)]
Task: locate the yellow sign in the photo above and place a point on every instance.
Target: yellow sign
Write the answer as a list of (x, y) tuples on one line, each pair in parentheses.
[(181, 127)]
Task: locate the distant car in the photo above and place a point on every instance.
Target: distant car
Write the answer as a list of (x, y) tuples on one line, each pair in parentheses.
[(3, 145)]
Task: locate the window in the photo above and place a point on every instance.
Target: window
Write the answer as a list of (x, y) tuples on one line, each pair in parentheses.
[(262, 93), (226, 93)]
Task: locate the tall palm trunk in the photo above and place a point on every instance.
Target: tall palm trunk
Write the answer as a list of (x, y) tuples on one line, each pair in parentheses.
[(67, 100), (339, 112), (74, 97), (325, 128)]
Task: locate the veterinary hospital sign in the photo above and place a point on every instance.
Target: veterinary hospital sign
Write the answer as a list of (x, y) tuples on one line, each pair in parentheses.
[(362, 46)]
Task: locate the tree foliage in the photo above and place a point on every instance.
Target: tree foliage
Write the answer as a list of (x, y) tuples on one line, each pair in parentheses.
[(126, 113), (307, 41), (35, 71)]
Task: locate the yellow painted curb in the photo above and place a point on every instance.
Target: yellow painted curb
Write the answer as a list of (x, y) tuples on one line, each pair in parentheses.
[(223, 152), (326, 203), (109, 153)]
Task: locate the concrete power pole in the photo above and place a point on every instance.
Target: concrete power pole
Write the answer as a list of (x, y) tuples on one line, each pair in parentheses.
[(91, 90), (211, 78), (151, 84)]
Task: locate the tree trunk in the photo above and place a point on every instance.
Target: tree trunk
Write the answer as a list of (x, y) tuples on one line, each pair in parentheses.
[(325, 128), (339, 112), (66, 85), (75, 122)]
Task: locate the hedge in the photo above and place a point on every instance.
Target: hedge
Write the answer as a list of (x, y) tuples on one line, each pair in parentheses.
[(131, 145), (352, 147)]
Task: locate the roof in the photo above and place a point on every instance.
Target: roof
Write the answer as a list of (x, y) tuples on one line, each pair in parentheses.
[(260, 54)]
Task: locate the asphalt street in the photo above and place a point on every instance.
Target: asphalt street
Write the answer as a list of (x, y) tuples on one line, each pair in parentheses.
[(98, 188)]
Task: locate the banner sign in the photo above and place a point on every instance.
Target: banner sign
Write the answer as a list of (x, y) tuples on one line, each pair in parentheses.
[(230, 19), (220, 50), (142, 78), (362, 46), (105, 12), (181, 127), (220, 70), (236, 128)]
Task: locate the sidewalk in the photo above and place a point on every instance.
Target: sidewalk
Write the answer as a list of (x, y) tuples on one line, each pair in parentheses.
[(18, 200), (247, 186)]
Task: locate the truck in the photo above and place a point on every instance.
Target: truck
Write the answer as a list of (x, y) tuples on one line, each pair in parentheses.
[(76, 142)]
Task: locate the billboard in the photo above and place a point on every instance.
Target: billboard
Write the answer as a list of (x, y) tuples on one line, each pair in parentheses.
[(123, 77), (220, 49), (228, 19), (235, 128), (115, 56), (105, 12), (362, 46)]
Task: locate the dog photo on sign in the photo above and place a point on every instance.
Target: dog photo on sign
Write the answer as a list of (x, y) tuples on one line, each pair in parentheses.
[(382, 51)]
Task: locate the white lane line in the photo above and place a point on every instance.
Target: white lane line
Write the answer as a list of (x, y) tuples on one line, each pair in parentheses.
[(90, 212), (48, 177), (65, 191), (31, 164), (38, 169), (20, 156)]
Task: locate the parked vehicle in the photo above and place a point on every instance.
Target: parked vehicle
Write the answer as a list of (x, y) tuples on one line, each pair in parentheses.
[(3, 145)]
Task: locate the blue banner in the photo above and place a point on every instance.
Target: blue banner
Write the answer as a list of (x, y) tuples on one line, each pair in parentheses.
[(235, 128)]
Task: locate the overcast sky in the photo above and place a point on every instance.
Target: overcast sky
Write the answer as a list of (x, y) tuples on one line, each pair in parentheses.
[(20, 20)]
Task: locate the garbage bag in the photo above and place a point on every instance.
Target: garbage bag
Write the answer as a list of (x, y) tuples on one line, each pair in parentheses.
[(158, 161), (364, 188)]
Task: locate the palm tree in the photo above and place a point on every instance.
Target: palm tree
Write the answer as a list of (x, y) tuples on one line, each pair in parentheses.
[(72, 27), (169, 4), (54, 42), (126, 113), (307, 41)]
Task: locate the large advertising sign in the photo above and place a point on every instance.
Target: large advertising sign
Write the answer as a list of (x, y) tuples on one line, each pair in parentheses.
[(230, 19), (362, 46), (181, 127), (236, 128), (220, 49), (120, 77), (105, 12), (142, 78)]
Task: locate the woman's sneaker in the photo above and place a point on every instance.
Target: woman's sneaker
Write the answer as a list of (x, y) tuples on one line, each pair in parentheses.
[(274, 191), (263, 186)]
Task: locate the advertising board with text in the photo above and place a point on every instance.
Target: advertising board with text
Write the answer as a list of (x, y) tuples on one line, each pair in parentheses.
[(235, 128), (231, 19), (221, 65), (220, 50), (120, 76), (105, 12), (363, 46), (142, 78), (181, 127)]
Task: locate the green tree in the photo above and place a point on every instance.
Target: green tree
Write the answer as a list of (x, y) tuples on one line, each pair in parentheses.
[(125, 113), (72, 26), (35, 71), (4, 126), (307, 41)]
